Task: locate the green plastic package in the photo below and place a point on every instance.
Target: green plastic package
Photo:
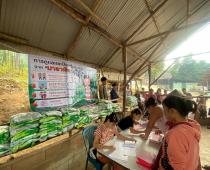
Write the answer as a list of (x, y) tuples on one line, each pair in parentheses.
[(4, 134)]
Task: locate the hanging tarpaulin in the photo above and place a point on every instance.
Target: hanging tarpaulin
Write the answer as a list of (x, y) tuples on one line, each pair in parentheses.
[(55, 83)]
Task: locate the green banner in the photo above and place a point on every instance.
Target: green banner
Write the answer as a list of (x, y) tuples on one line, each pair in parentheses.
[(54, 83)]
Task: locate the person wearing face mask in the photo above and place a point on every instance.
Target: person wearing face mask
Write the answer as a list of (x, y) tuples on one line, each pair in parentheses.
[(156, 118), (103, 134), (180, 148), (129, 121)]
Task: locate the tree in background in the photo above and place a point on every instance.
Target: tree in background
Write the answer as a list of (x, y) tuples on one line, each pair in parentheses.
[(14, 66), (189, 70), (156, 70)]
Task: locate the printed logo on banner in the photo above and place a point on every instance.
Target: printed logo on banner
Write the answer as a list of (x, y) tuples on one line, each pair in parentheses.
[(54, 83)]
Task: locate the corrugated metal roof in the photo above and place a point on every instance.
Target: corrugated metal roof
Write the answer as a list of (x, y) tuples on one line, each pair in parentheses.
[(46, 26), (39, 22), (75, 4)]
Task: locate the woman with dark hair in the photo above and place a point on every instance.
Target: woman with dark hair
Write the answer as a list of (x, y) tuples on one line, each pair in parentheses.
[(181, 144), (156, 117), (129, 121), (106, 132)]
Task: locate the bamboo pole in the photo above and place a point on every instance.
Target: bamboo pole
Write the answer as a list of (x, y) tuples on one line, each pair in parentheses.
[(162, 74), (124, 57), (153, 16), (197, 9), (143, 54), (149, 73), (75, 41), (73, 45), (199, 23), (146, 20), (134, 33), (140, 67), (13, 38), (69, 10), (81, 18), (92, 13), (29, 49)]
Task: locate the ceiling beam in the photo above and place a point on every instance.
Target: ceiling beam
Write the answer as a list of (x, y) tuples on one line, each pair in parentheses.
[(73, 45), (146, 20), (146, 51), (92, 13), (148, 58), (202, 4), (69, 10), (153, 16), (30, 49), (142, 65), (139, 27), (13, 38), (81, 18), (202, 22), (107, 60)]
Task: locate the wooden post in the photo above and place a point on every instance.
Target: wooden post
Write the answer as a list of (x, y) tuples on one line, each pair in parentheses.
[(124, 57), (149, 73)]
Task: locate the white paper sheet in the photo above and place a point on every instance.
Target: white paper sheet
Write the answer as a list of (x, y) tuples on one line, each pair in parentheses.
[(116, 155), (129, 151)]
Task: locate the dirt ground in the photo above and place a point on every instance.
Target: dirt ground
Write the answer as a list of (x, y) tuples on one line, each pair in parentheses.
[(13, 99)]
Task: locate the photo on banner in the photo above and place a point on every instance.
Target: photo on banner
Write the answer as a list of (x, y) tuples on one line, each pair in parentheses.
[(54, 83)]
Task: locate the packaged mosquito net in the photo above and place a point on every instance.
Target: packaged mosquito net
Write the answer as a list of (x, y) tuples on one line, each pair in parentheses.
[(70, 118), (4, 140), (24, 128), (131, 101), (83, 121), (50, 125)]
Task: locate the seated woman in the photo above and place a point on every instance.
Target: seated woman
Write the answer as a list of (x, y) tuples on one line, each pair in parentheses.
[(106, 132), (181, 144), (156, 118), (129, 121)]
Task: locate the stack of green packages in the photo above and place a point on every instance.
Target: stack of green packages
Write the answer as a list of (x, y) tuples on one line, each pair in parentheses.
[(105, 108), (4, 140), (24, 128), (105, 105), (84, 111), (83, 121), (116, 107), (131, 101), (69, 118), (50, 125)]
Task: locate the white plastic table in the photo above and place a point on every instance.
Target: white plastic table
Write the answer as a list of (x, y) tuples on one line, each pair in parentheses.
[(126, 156)]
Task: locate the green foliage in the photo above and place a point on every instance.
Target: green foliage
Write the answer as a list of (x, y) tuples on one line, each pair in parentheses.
[(156, 70), (189, 70), (14, 66)]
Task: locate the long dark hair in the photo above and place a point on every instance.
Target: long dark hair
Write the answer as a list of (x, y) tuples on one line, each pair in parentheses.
[(151, 102), (136, 111), (112, 118), (181, 104)]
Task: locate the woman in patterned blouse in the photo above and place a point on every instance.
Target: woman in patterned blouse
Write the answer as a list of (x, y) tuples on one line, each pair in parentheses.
[(106, 132)]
